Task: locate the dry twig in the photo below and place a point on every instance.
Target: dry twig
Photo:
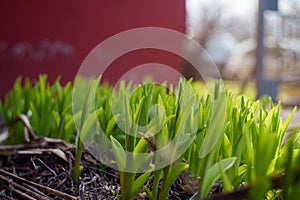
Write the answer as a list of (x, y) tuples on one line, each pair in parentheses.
[(36, 185)]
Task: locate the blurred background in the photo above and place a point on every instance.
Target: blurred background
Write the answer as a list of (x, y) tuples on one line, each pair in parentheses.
[(254, 43)]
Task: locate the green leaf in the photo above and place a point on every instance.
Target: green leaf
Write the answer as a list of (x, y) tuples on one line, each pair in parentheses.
[(119, 154), (127, 113), (282, 157), (174, 172), (213, 173), (287, 121), (227, 147), (89, 99), (111, 125), (269, 119), (226, 181), (215, 130), (137, 113), (139, 182), (141, 146), (267, 145), (89, 126)]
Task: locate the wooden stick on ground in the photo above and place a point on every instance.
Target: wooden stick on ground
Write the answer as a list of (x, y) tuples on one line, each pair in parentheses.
[(41, 187), (21, 190)]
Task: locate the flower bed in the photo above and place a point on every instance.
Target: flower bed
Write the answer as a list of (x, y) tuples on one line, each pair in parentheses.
[(161, 141)]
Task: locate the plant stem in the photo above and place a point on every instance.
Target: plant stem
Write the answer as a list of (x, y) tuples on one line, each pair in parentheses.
[(123, 185), (127, 178), (202, 170), (155, 185), (77, 168), (164, 190)]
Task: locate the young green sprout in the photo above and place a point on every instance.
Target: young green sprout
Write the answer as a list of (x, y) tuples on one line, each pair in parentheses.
[(216, 137)]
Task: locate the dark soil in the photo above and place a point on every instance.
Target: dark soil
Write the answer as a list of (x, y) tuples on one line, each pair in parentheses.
[(33, 171), (48, 169)]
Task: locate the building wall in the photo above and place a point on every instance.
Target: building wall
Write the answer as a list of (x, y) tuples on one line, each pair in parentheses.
[(55, 36)]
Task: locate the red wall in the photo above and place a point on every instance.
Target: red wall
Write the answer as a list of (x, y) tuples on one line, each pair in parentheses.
[(54, 37)]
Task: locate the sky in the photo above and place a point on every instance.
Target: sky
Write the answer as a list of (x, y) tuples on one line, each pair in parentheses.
[(244, 10), (237, 8)]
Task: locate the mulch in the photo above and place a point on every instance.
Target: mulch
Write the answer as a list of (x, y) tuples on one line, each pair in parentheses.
[(43, 170)]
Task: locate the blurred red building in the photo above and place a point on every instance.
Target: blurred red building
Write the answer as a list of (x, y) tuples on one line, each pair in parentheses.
[(55, 36)]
